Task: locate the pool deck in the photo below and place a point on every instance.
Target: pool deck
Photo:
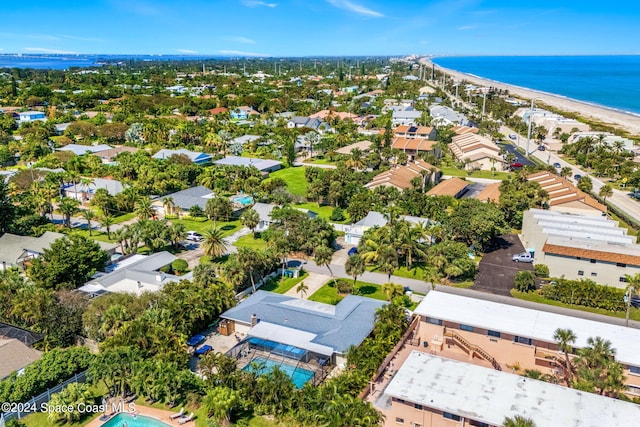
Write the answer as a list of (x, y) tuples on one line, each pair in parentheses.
[(158, 414)]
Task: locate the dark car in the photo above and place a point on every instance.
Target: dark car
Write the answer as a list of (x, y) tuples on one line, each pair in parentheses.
[(577, 177), (557, 165), (352, 251), (195, 340), (201, 351), (541, 148)]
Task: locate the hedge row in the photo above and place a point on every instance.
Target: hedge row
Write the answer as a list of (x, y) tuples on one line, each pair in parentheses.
[(586, 293)]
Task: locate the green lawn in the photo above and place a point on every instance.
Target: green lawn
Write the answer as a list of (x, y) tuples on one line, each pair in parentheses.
[(123, 218), (294, 177), (95, 235), (453, 171), (634, 313), (281, 286), (249, 242), (228, 227), (322, 211), (319, 161), (328, 293)]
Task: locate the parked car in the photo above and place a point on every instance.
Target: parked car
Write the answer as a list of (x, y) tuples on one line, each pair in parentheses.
[(541, 148), (557, 165), (523, 257), (577, 177), (513, 136), (194, 236), (201, 351), (514, 166), (195, 340), (352, 251)]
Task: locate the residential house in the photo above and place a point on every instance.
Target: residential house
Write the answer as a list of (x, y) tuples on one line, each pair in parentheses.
[(563, 196), (61, 127), (84, 191), (80, 150), (608, 139), (414, 146), (416, 132), (550, 121), (217, 110), (490, 193), (581, 246), (454, 187), (263, 165), (432, 391), (140, 275), (30, 116), (332, 114), (183, 201), (17, 251), (354, 233), (499, 334), (197, 157), (326, 330), (461, 130), (16, 351), (307, 122), (476, 152), (406, 117), (445, 116), (401, 176), (244, 139), (108, 156), (243, 113), (264, 211), (363, 146)]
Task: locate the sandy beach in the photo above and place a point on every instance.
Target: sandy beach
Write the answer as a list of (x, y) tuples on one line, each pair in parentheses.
[(627, 121)]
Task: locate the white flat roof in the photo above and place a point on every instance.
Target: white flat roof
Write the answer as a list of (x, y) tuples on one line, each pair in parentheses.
[(529, 323), (488, 396), (289, 336)]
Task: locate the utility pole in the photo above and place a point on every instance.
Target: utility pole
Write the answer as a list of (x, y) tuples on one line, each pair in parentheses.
[(529, 131), (484, 101)]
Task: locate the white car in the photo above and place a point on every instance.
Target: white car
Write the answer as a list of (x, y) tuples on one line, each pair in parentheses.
[(523, 257), (194, 236)]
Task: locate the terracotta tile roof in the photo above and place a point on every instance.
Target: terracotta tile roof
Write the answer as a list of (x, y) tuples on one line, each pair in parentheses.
[(474, 147), (217, 110), (490, 193), (401, 176), (592, 254), (414, 144), (449, 187), (461, 130), (361, 145), (561, 191)]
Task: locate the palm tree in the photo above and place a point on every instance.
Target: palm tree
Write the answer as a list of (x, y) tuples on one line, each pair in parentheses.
[(143, 208), (565, 172), (633, 288), (214, 244), (354, 267), (605, 191), (68, 206), (107, 221), (322, 256), (565, 338), (169, 205), (302, 289), (88, 215), (251, 260), (250, 219), (177, 233), (518, 421)]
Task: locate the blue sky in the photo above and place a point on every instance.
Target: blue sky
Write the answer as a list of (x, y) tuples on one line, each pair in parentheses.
[(320, 27)]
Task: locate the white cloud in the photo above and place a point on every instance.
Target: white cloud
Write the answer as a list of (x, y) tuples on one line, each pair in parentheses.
[(187, 51), (239, 39), (257, 3), (467, 27), (359, 9), (80, 38), (45, 50), (242, 53)]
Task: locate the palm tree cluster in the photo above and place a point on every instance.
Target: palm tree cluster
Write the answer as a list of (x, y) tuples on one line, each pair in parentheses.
[(156, 235), (603, 159)]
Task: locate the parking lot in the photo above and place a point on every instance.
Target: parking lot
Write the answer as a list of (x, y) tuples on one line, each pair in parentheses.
[(497, 271)]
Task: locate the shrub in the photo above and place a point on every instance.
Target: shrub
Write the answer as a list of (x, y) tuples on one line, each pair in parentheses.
[(337, 215), (180, 265), (196, 211), (541, 270), (525, 281), (586, 293), (345, 286)]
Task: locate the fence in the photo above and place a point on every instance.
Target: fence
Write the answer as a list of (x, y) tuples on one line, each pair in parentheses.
[(39, 400)]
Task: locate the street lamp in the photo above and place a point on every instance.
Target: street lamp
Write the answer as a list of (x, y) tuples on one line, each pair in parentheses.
[(529, 131)]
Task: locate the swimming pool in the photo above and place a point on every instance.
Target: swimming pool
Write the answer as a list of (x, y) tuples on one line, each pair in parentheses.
[(137, 421), (299, 376), (242, 199)]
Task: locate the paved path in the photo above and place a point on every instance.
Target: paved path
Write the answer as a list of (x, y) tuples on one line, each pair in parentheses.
[(314, 282)]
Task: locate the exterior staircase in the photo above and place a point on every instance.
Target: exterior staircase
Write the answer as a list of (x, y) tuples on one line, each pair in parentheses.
[(472, 349)]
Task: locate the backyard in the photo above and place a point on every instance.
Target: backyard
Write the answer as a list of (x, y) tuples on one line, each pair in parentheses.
[(329, 294), (295, 179)]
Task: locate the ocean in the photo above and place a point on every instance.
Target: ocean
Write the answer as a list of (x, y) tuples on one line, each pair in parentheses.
[(64, 62), (610, 81)]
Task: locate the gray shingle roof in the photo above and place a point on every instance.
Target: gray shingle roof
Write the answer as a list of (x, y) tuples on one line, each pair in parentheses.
[(260, 164), (191, 197), (194, 156), (338, 327)]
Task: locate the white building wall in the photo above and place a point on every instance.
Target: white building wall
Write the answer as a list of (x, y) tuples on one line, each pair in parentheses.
[(601, 272)]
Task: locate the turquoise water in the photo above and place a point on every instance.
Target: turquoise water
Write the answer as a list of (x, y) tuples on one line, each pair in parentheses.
[(138, 421), (299, 376), (243, 200), (612, 81)]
